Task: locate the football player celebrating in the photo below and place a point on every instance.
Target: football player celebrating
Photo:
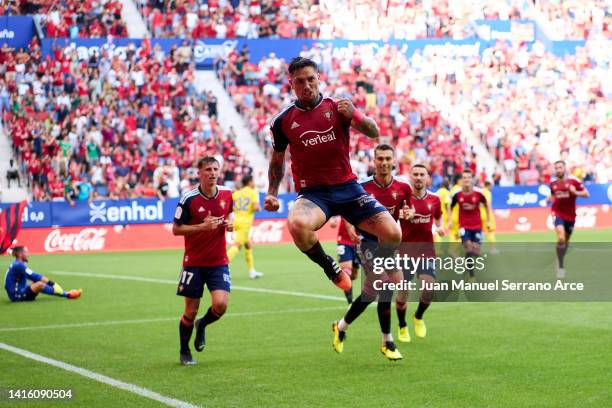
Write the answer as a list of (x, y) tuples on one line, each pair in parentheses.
[(418, 242), (392, 193), (202, 217), (316, 130)]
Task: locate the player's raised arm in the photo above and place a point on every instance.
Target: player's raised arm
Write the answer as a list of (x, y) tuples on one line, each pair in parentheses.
[(359, 121)]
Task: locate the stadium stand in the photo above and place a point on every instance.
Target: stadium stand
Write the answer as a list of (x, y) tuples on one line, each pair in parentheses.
[(326, 19), (73, 18), (530, 121), (578, 20), (110, 127), (405, 117)]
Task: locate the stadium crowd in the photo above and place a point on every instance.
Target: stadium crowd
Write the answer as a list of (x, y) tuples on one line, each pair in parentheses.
[(326, 19), (369, 77), (118, 126), (578, 20), (72, 18), (528, 107)]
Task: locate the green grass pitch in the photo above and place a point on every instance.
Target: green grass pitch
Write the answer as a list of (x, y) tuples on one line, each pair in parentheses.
[(273, 348)]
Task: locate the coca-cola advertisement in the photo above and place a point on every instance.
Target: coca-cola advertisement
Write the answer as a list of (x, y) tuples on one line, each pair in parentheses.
[(140, 237)]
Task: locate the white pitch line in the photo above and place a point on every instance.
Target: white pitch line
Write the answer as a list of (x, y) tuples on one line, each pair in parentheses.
[(162, 319), (173, 282), (135, 389)]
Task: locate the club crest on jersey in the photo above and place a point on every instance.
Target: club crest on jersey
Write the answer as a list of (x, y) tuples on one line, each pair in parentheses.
[(222, 204), (394, 195), (429, 206), (328, 115)]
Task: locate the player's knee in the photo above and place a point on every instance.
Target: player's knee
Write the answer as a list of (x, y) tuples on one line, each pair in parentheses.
[(391, 235), (219, 308), (298, 225), (37, 286), (561, 241), (427, 296)]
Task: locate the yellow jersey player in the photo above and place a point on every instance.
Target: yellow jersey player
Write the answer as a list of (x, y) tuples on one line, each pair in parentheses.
[(490, 231), (454, 213), (445, 200), (246, 203)]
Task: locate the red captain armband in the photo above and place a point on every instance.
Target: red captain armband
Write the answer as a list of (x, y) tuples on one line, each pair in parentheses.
[(358, 117)]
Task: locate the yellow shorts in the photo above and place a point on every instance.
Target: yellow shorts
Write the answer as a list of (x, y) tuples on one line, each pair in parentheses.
[(241, 233)]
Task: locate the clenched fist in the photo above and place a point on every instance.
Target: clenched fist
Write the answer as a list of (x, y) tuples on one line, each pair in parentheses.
[(271, 203), (346, 108)]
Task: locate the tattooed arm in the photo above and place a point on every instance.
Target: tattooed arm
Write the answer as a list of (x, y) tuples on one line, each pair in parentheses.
[(276, 171)]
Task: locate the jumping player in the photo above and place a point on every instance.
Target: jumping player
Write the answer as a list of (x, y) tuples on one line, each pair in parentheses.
[(316, 130), (418, 241), (469, 200), (347, 251), (246, 203), (203, 216), (563, 193), (18, 275), (393, 194)]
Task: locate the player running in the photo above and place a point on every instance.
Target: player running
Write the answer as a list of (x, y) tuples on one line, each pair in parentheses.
[(316, 130), (418, 241), (563, 193), (469, 200), (202, 216), (246, 203), (393, 194), (347, 251), (18, 275)]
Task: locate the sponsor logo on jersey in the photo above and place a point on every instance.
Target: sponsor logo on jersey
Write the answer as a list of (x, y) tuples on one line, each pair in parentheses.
[(328, 115), (316, 137)]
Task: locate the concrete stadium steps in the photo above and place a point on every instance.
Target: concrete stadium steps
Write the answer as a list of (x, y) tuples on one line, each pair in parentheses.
[(13, 194), (229, 116)]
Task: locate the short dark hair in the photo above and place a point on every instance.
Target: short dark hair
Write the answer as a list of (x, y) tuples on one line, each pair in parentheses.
[(299, 63), (487, 183), (17, 250), (421, 166), (560, 161), (383, 147), (246, 179), (206, 160), (467, 171)]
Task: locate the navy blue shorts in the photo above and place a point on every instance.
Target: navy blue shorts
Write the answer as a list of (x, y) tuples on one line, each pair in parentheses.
[(193, 278), (568, 226), (22, 295), (348, 253), (349, 200), (474, 235)]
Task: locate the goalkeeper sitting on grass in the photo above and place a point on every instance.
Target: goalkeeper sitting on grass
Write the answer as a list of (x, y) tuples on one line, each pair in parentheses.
[(18, 275)]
